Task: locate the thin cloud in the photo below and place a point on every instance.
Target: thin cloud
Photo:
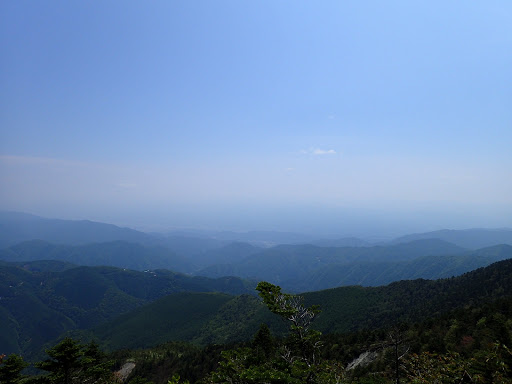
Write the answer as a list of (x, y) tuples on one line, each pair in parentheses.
[(324, 152), (318, 152)]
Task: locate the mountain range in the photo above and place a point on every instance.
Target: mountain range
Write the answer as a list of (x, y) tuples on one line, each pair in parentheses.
[(133, 289), (297, 267), (467, 238), (16, 227), (116, 253), (216, 318)]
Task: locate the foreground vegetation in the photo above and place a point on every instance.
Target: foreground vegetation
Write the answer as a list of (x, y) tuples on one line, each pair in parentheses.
[(467, 345)]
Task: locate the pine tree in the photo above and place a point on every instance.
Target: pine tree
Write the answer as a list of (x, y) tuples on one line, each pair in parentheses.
[(263, 343), (64, 362), (95, 366), (10, 369)]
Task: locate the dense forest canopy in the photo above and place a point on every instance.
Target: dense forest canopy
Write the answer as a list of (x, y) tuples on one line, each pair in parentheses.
[(470, 343)]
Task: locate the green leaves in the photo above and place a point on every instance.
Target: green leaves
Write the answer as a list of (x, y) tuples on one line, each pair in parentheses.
[(175, 379), (303, 342), (487, 366), (286, 305)]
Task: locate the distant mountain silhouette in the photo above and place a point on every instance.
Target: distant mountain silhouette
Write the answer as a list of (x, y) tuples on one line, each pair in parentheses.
[(342, 242), (383, 273), (114, 253), (17, 227), (467, 238), (292, 265)]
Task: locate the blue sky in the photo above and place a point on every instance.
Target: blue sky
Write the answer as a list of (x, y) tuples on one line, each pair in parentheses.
[(324, 117)]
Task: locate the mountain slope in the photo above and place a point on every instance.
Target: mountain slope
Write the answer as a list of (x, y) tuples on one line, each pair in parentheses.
[(39, 306), (162, 251), (119, 254), (383, 273), (342, 242), (287, 264), (230, 253), (26, 318), (351, 308), (173, 317), (17, 227), (467, 238), (200, 318), (343, 309)]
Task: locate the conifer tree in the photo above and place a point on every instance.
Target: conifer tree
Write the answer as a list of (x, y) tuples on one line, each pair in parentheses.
[(10, 369), (64, 361), (71, 362), (263, 343), (95, 366)]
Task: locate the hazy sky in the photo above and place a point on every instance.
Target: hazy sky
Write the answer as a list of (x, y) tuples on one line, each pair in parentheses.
[(339, 117)]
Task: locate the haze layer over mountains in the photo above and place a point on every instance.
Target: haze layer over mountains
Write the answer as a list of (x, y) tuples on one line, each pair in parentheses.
[(297, 262)]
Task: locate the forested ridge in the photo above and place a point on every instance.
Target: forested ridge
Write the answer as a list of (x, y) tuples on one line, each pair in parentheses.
[(455, 329), (470, 343), (83, 297), (179, 327), (297, 268), (344, 309)]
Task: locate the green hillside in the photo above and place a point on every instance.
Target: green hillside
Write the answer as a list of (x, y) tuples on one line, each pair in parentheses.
[(174, 317), (352, 308), (199, 318), (468, 315), (38, 306), (344, 309)]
